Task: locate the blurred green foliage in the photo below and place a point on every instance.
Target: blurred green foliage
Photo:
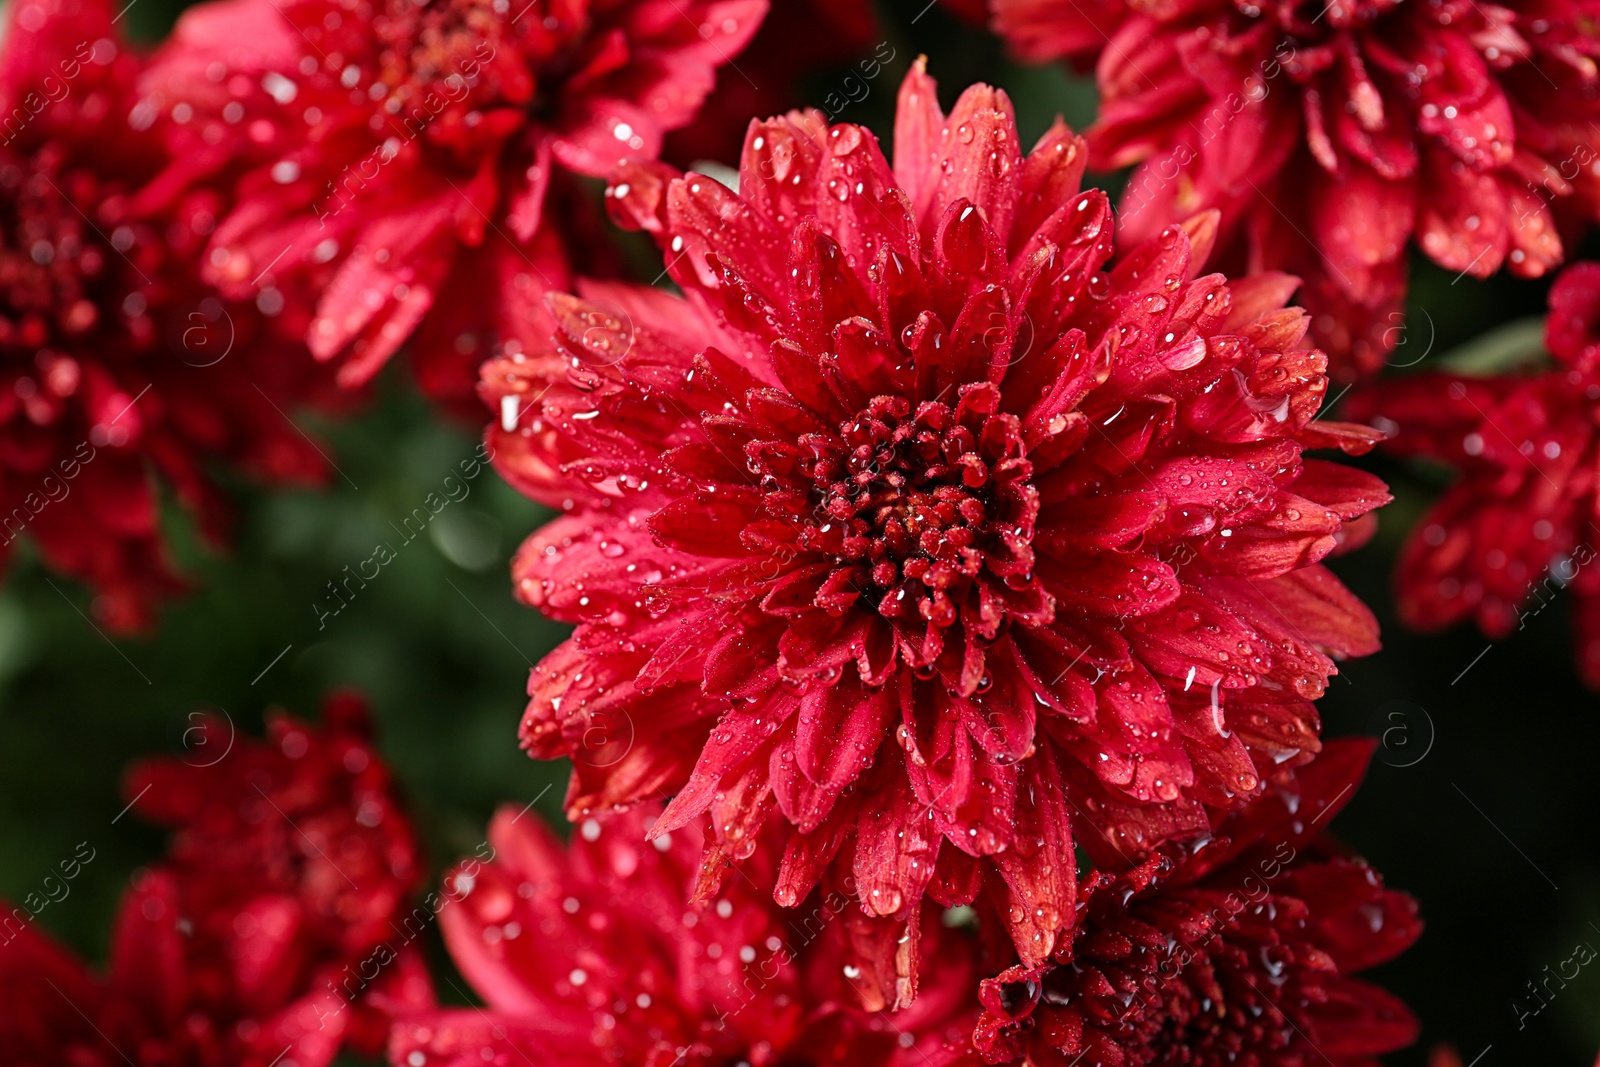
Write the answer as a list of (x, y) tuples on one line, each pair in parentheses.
[(434, 640), (1493, 829)]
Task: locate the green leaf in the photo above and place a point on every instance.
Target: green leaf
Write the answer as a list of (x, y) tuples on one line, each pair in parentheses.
[(1517, 344)]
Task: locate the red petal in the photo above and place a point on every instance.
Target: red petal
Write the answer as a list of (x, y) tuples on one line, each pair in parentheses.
[(1110, 583), (1345, 490), (705, 524), (918, 126), (730, 750), (1051, 176), (896, 847), (1359, 221), (1310, 603), (1572, 332), (1461, 222), (1040, 868), (836, 737)]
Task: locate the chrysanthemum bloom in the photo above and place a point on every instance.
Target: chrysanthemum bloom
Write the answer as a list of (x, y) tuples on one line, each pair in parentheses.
[(396, 162), (1518, 530), (1237, 949), (270, 933), (120, 371), (1331, 134), (598, 954), (918, 526), (309, 816)]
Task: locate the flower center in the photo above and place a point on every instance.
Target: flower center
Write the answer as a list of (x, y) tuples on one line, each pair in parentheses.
[(434, 54), (1145, 999), (916, 501)]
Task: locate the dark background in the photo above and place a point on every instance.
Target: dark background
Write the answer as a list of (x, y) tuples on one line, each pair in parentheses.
[(1479, 803)]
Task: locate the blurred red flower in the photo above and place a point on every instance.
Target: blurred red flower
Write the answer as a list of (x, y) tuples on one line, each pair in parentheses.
[(1518, 527), (122, 375), (599, 954), (393, 163), (913, 518), (267, 935), (1329, 134), (1233, 949)]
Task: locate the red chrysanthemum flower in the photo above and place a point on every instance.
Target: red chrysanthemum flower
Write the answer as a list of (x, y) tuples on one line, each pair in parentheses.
[(121, 374), (914, 523), (1519, 525), (268, 934), (1236, 949), (1330, 134), (599, 955), (393, 163), (309, 816)]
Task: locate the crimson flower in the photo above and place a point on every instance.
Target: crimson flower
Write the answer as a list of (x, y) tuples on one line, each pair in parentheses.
[(599, 954), (309, 816), (121, 374), (266, 935), (393, 162), (1330, 134), (1232, 949), (913, 527), (1518, 526)]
